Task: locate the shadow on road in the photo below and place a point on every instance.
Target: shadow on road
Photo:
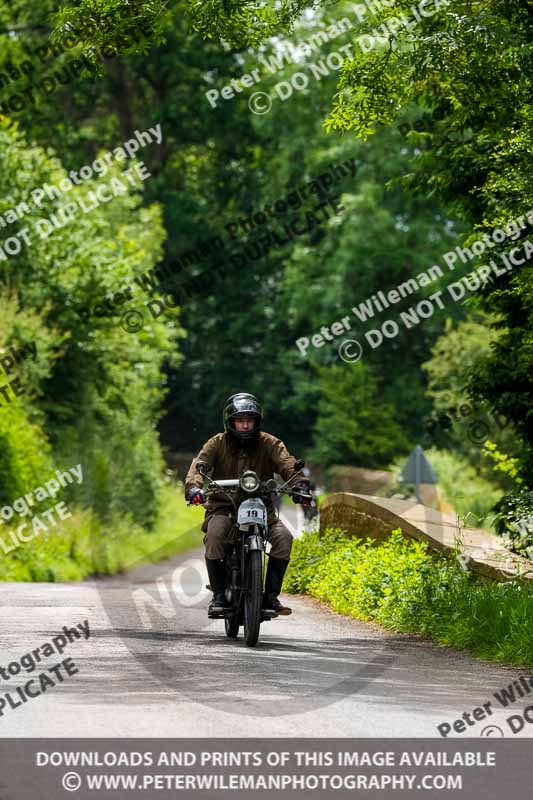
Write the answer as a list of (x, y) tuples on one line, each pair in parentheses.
[(283, 677)]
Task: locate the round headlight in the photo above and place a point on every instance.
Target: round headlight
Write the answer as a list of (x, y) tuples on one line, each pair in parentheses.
[(249, 482)]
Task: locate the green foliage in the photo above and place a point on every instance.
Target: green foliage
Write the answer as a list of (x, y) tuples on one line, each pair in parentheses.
[(472, 61), (503, 463), (401, 585), (96, 390), (21, 328), (24, 452), (514, 521), (82, 545), (243, 22), (384, 236), (216, 165), (453, 357), (457, 421), (309, 552), (112, 25), (505, 377), (353, 424)]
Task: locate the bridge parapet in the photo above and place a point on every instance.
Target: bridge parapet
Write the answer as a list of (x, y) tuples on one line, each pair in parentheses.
[(367, 516)]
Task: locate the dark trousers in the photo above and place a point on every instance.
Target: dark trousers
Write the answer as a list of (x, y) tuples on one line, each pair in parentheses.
[(219, 526)]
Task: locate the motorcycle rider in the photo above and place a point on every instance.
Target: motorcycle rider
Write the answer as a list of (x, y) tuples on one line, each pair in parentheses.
[(242, 446)]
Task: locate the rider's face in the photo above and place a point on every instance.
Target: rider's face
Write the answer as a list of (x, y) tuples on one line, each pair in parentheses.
[(243, 424)]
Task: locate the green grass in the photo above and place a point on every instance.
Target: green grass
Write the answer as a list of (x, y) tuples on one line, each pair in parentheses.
[(82, 545), (403, 586)]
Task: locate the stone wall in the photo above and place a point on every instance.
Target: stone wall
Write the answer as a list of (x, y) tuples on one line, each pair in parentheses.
[(375, 517)]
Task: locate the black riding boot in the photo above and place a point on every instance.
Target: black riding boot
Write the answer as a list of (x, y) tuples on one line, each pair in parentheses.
[(274, 580), (217, 582)]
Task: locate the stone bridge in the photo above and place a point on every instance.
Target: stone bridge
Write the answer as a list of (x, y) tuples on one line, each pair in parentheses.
[(363, 516)]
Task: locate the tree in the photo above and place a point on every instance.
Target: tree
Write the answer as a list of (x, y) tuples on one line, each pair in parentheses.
[(469, 63), (456, 421), (354, 426), (383, 236), (96, 390), (473, 62)]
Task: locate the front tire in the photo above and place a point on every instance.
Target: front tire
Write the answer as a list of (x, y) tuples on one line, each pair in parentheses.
[(232, 624), (253, 598)]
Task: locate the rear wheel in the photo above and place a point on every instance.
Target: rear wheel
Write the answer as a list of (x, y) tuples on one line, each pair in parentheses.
[(253, 598)]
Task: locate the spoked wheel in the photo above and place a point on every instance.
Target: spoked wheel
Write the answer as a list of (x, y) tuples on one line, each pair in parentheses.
[(231, 622), (253, 598)]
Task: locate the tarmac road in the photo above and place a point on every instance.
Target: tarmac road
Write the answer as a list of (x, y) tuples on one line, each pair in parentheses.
[(154, 665)]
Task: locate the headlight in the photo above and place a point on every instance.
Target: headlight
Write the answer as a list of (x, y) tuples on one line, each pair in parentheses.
[(249, 482)]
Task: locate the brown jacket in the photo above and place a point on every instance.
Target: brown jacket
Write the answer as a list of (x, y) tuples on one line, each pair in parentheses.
[(229, 460)]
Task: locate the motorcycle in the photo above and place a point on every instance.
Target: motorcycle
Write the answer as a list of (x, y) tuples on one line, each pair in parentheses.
[(246, 547)]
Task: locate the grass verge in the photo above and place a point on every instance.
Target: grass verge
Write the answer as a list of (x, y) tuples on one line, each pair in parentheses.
[(82, 545), (403, 586)]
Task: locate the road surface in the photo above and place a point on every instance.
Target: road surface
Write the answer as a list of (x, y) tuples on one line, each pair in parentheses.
[(154, 665)]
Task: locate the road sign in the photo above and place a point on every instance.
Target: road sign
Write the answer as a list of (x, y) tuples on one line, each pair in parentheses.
[(417, 470)]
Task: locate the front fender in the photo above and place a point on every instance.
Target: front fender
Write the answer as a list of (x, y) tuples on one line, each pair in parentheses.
[(255, 542)]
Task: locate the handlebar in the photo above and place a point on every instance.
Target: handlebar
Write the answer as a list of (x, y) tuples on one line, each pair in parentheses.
[(231, 485)]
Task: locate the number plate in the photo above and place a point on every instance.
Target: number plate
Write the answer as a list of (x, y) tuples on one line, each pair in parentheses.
[(252, 512)]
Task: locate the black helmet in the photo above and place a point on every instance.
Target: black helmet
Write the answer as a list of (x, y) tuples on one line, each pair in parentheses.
[(242, 404)]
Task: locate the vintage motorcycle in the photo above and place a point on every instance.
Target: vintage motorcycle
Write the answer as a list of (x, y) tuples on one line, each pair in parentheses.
[(246, 547)]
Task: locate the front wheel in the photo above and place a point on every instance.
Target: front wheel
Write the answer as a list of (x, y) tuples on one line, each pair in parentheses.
[(232, 624), (253, 599)]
